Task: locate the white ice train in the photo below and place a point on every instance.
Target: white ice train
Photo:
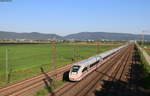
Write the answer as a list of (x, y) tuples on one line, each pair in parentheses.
[(82, 68)]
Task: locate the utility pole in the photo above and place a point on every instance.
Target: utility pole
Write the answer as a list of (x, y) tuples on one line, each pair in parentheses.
[(143, 38), (77, 52), (97, 47), (74, 52), (53, 59), (6, 65)]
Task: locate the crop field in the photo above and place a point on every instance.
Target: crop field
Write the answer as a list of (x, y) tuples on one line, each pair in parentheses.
[(25, 60)]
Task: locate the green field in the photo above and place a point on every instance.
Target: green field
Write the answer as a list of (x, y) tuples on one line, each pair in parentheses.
[(25, 60)]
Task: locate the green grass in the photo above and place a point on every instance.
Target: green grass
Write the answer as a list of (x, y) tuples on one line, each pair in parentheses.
[(25, 60), (146, 72)]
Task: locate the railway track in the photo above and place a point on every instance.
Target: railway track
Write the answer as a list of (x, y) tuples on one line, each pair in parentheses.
[(119, 75), (86, 86), (117, 70), (29, 86), (115, 74)]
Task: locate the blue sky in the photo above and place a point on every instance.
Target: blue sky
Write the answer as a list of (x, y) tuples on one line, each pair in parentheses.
[(72, 16)]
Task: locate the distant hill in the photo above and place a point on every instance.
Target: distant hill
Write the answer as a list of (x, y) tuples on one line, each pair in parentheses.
[(31, 36), (78, 36), (105, 36)]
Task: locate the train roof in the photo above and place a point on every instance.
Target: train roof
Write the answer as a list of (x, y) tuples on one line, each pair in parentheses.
[(86, 61)]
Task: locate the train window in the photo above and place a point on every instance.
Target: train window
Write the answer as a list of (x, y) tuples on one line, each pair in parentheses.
[(94, 64), (75, 68), (84, 69)]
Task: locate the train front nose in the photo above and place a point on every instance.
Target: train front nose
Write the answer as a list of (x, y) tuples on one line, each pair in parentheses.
[(73, 76), (74, 73)]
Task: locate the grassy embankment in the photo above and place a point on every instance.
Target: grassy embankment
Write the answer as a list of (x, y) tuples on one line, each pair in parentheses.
[(25, 60), (145, 67)]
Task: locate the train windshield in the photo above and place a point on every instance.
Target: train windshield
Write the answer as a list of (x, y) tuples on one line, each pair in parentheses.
[(75, 68)]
